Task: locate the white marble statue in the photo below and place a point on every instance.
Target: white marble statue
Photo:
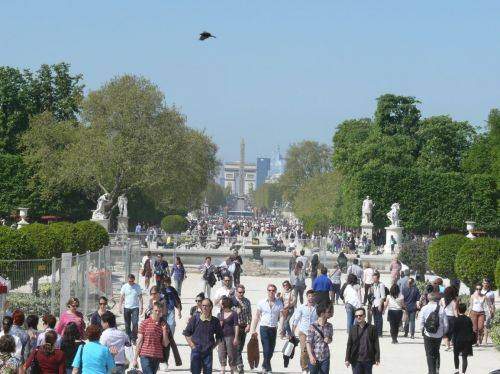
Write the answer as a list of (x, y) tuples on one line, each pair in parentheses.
[(366, 210), (102, 203), (122, 206), (393, 215)]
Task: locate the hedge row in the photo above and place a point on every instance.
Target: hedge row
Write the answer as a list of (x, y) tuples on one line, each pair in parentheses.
[(46, 241), (174, 224)]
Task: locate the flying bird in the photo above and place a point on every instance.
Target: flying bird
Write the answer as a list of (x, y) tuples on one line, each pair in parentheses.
[(205, 35)]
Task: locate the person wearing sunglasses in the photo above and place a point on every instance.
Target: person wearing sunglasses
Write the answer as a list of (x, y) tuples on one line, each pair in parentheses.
[(95, 318), (242, 306), (268, 313), (71, 315), (197, 307), (363, 350)]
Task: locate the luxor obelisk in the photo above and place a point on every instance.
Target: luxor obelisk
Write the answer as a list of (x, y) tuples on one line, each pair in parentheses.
[(240, 205)]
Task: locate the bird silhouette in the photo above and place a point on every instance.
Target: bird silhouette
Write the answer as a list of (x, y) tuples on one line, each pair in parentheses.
[(205, 35)]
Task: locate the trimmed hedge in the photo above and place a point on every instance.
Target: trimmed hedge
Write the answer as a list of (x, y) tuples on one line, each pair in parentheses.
[(91, 236), (497, 272), (68, 235), (414, 254), (477, 259), (46, 242), (15, 245), (442, 254), (174, 224)]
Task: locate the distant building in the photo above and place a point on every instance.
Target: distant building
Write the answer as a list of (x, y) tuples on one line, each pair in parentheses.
[(231, 177), (263, 170), (277, 166)]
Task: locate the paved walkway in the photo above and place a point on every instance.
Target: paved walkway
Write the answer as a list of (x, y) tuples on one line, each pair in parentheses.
[(408, 357)]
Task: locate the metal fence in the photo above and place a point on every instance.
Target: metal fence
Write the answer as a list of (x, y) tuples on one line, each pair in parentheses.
[(34, 285)]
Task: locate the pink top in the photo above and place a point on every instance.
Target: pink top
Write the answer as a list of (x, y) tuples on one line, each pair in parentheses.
[(68, 317)]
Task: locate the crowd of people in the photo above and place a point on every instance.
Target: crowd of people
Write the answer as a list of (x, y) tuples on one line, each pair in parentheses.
[(222, 318)]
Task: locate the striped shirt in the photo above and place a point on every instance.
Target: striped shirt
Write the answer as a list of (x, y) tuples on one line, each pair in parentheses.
[(152, 343)]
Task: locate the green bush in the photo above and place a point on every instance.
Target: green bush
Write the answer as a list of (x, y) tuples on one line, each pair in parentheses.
[(414, 254), (15, 245), (91, 235), (174, 224), (46, 242), (476, 260), (68, 236), (497, 274), (442, 253), (30, 303)]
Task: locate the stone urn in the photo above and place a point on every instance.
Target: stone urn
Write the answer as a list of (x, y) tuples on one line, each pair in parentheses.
[(23, 213), (470, 225)]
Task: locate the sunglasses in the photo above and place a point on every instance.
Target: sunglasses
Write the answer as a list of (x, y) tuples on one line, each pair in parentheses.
[(153, 293), (359, 315), (205, 305), (241, 292)]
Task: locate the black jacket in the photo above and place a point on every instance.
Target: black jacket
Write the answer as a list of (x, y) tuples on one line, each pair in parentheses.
[(351, 353)]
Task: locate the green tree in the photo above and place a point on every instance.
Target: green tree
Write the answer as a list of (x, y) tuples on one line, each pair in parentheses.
[(174, 224), (129, 140), (24, 94), (266, 195), (443, 142), (349, 141), (304, 160), (397, 115), (442, 254), (215, 196)]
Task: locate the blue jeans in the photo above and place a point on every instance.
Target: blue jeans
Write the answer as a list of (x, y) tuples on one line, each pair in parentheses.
[(410, 323), (201, 361), (362, 367), (321, 367), (349, 310), (377, 320), (131, 317), (149, 365), (268, 340)]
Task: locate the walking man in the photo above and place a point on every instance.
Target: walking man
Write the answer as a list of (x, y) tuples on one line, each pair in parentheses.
[(115, 340), (152, 338), (161, 270), (203, 333), (322, 287), (434, 324), (363, 350), (377, 292), (303, 317), (243, 307), (207, 270), (318, 337), (131, 302), (268, 312), (226, 290)]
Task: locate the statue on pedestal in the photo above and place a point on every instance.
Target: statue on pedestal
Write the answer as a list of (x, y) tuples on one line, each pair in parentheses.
[(122, 206), (366, 210), (393, 215), (102, 203)]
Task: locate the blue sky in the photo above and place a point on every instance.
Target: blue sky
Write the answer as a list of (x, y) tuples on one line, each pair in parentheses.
[(279, 71)]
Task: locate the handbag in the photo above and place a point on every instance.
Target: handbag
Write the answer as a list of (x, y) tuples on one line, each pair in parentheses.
[(35, 365)]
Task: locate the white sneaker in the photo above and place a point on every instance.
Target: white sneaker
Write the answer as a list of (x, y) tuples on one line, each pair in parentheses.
[(163, 366)]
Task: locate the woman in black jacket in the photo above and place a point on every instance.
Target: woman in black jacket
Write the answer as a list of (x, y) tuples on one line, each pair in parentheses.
[(463, 338)]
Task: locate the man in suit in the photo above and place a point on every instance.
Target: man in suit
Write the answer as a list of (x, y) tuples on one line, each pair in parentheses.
[(363, 350)]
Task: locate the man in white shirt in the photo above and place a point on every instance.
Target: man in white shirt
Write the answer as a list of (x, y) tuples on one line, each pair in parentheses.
[(268, 312), (376, 298), (225, 290), (432, 340), (302, 258), (302, 318), (131, 302), (116, 340)]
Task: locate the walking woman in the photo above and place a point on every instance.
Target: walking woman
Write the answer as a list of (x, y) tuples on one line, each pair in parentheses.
[(70, 343), (289, 300), (179, 274), (479, 304), (313, 267), (449, 304), (335, 277), (395, 305), (298, 281), (351, 294), (71, 315), (49, 359), (230, 329), (92, 357), (463, 338), (95, 319)]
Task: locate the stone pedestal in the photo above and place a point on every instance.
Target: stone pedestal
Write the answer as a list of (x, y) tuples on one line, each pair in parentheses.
[(397, 233), (240, 204), (122, 229), (103, 222), (367, 228)]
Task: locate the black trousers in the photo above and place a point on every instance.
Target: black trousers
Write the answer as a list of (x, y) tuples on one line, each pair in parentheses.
[(432, 346)]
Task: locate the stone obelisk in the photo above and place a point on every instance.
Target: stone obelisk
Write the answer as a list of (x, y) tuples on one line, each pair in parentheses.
[(240, 206)]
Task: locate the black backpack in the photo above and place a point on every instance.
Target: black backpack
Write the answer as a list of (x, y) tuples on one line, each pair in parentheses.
[(431, 324)]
